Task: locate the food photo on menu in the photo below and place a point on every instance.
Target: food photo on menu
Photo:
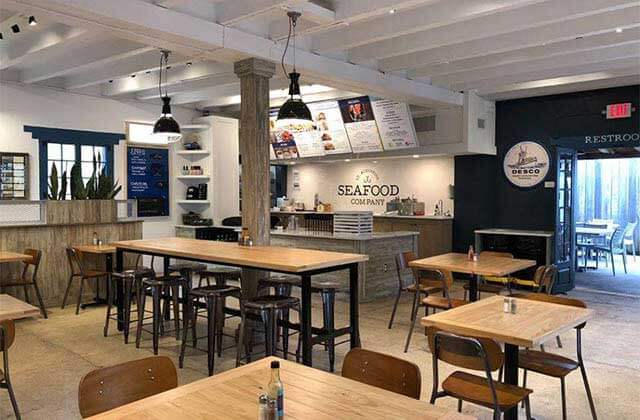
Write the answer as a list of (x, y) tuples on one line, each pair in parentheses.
[(360, 125), (330, 127)]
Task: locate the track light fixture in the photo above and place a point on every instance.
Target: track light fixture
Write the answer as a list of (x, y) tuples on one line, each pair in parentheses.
[(15, 28), (32, 21)]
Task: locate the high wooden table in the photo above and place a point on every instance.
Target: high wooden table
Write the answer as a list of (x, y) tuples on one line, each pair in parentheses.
[(302, 262), (308, 394), (6, 257), (107, 250), (533, 324), (486, 265), (12, 308)]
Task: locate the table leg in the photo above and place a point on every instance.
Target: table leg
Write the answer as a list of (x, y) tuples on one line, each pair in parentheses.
[(305, 320), (97, 300), (473, 287), (119, 289), (354, 319), (511, 375)]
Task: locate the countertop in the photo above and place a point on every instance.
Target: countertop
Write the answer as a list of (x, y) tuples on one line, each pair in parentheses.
[(343, 236), (388, 216), (516, 232)]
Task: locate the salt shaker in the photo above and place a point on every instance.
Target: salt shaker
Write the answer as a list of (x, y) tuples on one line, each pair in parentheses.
[(263, 407), (514, 306), (506, 306)]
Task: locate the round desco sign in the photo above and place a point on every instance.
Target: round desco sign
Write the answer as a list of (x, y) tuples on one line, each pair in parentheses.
[(526, 164)]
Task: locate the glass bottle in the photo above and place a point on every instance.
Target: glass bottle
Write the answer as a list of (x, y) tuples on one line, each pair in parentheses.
[(275, 389), (471, 253)]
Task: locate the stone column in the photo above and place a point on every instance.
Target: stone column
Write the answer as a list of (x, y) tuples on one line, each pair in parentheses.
[(254, 77)]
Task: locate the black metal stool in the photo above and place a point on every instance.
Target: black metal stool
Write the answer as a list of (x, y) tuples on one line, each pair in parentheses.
[(214, 297), (266, 307), (186, 268), (220, 275), (131, 281), (158, 285)]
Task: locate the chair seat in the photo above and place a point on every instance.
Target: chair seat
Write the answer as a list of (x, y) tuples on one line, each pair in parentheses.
[(486, 288), (94, 273), (476, 389), (440, 302), (526, 283), (215, 290), (548, 364), (495, 279), (165, 281), (271, 302), (318, 286), (424, 289)]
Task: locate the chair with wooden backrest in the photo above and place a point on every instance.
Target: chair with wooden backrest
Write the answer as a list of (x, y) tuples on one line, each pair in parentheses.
[(7, 336), (383, 371), (417, 288), (78, 270), (110, 387), (34, 263), (474, 353), (491, 284), (554, 365), (442, 280), (543, 279)]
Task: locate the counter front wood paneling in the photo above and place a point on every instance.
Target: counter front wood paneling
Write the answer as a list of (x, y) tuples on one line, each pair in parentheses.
[(436, 234), (52, 241), (70, 212)]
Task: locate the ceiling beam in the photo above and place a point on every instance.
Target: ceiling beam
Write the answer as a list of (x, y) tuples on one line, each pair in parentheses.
[(147, 23), (188, 86), (15, 51), (355, 10), (175, 75), (142, 63), (582, 58), (535, 15), (560, 48), (410, 21), (96, 56), (554, 32), (540, 76)]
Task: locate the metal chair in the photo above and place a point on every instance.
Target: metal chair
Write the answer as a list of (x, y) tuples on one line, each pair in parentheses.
[(554, 365), (78, 270), (383, 371), (615, 246), (7, 336), (629, 240), (474, 353), (25, 281), (110, 387)]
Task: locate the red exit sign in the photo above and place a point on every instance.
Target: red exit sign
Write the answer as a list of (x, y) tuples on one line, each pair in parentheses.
[(622, 110)]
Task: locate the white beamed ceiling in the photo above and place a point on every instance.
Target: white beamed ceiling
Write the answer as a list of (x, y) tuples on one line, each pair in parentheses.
[(424, 52)]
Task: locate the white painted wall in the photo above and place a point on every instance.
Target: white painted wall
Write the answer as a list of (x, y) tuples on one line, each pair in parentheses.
[(22, 105), (427, 179)]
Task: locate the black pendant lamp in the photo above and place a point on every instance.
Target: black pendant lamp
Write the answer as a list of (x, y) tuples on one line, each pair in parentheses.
[(166, 129), (294, 110)]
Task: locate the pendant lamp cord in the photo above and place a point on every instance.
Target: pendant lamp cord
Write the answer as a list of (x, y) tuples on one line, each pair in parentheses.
[(164, 60), (292, 28)]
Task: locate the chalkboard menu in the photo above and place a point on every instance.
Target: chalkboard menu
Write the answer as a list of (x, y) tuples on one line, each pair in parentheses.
[(148, 180)]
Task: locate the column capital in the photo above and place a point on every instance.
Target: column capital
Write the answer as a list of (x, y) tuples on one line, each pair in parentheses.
[(254, 67)]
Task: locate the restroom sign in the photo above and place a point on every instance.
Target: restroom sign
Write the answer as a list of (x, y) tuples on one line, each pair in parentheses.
[(526, 164)]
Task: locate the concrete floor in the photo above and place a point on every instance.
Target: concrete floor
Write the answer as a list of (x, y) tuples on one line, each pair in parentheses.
[(49, 358), (603, 279)]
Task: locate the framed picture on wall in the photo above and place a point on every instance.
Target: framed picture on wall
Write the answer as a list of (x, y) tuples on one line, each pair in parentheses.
[(14, 176)]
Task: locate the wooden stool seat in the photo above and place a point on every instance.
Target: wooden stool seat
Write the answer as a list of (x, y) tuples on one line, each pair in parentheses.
[(549, 364), (476, 389), (423, 288), (443, 303), (91, 274)]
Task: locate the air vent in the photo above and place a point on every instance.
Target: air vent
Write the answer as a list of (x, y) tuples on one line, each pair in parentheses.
[(480, 122), (423, 124)]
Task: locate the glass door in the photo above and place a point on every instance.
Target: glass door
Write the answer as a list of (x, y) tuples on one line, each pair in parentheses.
[(566, 163)]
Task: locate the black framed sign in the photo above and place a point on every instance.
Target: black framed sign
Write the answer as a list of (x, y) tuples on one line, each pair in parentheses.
[(148, 180)]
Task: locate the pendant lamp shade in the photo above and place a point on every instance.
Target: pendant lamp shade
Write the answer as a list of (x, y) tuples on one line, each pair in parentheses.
[(294, 108), (166, 125)]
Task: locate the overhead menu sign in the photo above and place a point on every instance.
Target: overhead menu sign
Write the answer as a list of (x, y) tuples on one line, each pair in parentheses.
[(294, 140), (394, 123), (328, 122), (360, 124)]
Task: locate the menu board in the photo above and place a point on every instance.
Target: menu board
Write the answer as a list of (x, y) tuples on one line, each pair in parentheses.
[(394, 123), (148, 180), (328, 122), (360, 124), (13, 176)]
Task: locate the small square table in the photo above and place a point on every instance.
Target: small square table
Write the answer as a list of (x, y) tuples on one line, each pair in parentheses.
[(533, 324), (486, 265), (13, 308)]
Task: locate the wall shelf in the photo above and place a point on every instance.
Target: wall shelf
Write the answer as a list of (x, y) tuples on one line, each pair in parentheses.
[(194, 202), (193, 153), (193, 177)]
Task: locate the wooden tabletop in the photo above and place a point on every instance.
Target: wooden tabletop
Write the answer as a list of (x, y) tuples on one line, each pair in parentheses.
[(308, 394), (6, 256), (534, 322), (291, 260), (12, 308), (487, 265), (96, 249)]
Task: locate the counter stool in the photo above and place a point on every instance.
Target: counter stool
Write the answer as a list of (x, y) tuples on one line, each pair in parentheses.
[(214, 297), (220, 275), (172, 284), (131, 282), (186, 268), (266, 307)]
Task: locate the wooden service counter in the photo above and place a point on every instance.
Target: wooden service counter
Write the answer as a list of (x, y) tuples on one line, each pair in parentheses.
[(435, 231), (377, 276), (53, 226)]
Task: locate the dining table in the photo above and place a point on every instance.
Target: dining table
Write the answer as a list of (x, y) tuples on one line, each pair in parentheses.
[(106, 250), (8, 256), (294, 261), (13, 308), (533, 324), (483, 265), (308, 394)]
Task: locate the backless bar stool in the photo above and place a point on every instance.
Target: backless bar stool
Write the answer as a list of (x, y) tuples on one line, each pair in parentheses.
[(131, 282)]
